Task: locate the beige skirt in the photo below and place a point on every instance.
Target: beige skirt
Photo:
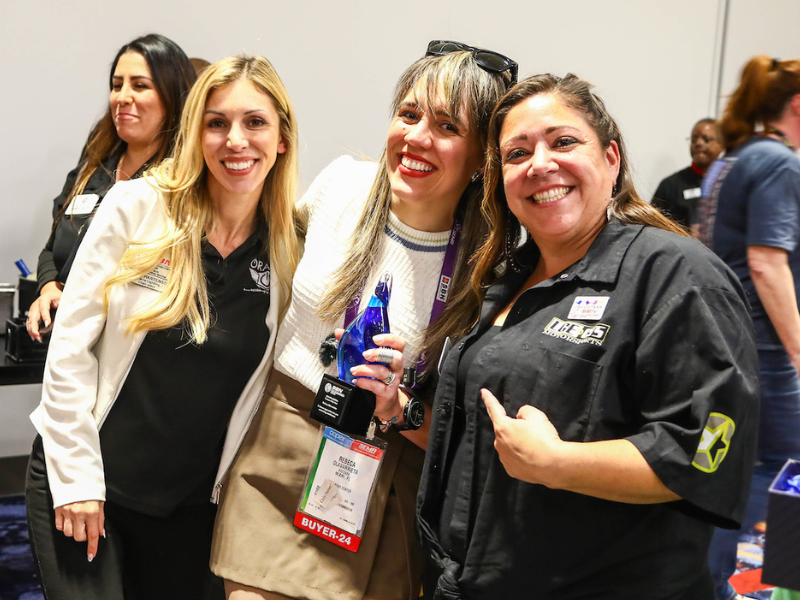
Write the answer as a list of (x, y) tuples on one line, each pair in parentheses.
[(255, 541)]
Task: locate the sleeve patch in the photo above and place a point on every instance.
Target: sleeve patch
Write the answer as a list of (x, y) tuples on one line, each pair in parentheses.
[(714, 444)]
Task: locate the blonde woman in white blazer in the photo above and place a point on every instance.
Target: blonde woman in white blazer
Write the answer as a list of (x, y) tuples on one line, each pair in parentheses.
[(162, 347)]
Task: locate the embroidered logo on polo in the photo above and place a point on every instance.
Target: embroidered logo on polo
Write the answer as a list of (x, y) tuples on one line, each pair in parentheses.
[(714, 445), (577, 333), (259, 271)]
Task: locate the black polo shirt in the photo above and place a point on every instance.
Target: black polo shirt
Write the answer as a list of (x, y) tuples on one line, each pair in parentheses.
[(677, 195), (672, 345), (162, 440), (55, 260)]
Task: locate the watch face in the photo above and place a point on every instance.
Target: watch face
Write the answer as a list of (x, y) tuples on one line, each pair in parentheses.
[(416, 415)]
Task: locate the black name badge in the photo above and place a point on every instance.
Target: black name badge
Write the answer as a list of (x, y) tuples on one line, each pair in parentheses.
[(343, 406)]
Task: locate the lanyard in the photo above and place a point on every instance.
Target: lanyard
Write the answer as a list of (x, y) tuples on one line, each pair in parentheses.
[(439, 300)]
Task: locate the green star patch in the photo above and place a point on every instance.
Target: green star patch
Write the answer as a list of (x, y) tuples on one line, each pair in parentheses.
[(714, 444)]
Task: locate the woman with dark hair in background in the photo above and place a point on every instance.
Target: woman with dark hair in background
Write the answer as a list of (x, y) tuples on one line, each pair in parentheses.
[(755, 195), (149, 80), (599, 418)]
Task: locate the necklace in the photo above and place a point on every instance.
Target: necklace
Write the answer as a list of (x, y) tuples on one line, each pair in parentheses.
[(780, 134), (119, 170)]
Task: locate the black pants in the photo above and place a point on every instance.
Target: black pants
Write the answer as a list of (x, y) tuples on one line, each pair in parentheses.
[(141, 558)]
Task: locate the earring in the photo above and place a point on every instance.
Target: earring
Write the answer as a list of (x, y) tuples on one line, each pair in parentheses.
[(614, 191), (476, 176), (512, 238)]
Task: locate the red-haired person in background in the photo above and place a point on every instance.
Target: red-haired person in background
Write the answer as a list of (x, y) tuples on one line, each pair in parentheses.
[(751, 219)]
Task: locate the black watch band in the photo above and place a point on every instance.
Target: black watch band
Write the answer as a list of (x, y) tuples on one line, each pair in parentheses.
[(413, 413)]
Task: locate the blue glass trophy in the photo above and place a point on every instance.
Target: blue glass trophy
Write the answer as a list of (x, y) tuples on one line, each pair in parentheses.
[(339, 402), (372, 321)]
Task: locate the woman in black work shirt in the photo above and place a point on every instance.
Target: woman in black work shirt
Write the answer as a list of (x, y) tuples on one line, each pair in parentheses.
[(625, 353), (149, 80)]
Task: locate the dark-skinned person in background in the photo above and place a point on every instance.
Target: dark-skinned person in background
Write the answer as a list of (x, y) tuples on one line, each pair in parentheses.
[(677, 195)]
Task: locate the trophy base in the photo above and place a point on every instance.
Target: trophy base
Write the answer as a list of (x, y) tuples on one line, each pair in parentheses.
[(343, 406)]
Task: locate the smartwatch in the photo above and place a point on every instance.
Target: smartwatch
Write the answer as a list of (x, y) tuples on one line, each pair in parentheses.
[(413, 413)]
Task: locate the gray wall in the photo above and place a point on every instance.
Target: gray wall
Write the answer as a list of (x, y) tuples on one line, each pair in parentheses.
[(657, 65)]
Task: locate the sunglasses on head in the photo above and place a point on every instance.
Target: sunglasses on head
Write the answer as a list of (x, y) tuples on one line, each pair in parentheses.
[(487, 60)]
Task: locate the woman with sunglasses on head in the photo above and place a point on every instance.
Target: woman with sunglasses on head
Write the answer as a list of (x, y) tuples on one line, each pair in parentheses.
[(599, 419), (162, 346), (149, 80), (402, 215)]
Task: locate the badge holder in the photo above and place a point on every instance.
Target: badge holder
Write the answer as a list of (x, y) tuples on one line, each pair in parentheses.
[(339, 487), (341, 478), (156, 279)]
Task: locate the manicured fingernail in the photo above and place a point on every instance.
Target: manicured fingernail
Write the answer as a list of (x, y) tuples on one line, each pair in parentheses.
[(91, 557), (103, 533), (378, 339)]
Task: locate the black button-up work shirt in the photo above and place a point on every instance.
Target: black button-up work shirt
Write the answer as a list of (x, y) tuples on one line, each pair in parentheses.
[(646, 338)]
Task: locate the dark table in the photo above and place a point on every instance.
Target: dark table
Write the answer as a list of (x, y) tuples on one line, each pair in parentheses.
[(15, 373)]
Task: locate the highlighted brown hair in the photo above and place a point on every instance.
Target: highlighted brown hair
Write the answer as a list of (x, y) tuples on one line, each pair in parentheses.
[(627, 205)]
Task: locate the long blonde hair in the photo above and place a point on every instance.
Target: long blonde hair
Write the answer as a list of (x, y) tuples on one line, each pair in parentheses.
[(182, 183), (465, 86)]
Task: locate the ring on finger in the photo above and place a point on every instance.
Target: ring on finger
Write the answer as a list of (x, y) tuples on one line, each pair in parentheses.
[(388, 381), (385, 355)]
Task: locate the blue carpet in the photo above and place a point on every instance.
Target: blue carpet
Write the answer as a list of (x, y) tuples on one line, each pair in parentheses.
[(18, 579)]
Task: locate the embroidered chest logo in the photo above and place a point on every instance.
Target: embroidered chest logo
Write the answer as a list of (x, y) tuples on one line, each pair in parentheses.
[(714, 444), (577, 333), (259, 271)]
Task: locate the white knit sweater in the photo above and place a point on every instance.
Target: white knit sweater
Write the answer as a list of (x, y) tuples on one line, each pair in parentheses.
[(335, 201)]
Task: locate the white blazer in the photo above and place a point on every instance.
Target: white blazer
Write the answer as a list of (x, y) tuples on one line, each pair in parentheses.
[(91, 353)]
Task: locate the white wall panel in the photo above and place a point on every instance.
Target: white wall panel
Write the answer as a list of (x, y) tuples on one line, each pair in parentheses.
[(655, 63)]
